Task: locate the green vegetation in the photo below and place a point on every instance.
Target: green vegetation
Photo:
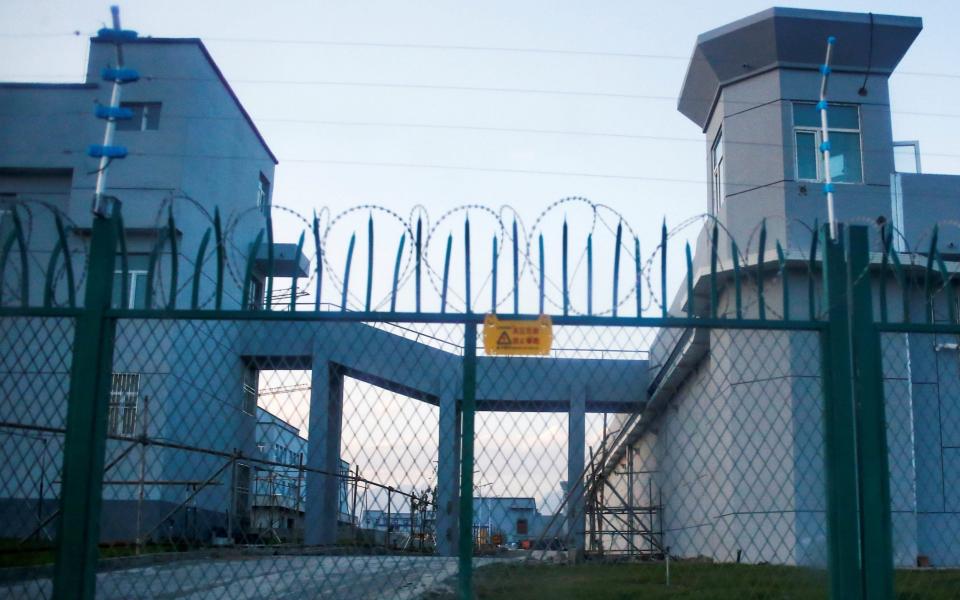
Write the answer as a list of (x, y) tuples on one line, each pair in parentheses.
[(703, 581), (31, 554)]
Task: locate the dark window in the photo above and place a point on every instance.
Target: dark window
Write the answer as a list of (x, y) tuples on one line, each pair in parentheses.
[(807, 161), (255, 294), (137, 265), (242, 489), (146, 117), (844, 133), (263, 194), (250, 391), (6, 222), (521, 527)]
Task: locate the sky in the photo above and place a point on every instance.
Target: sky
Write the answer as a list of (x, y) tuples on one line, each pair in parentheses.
[(355, 99)]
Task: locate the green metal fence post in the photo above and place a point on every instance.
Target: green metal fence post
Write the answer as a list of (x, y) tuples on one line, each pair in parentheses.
[(465, 570), (877, 544), (839, 429), (85, 439)]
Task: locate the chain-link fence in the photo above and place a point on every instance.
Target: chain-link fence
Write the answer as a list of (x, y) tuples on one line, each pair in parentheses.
[(725, 449)]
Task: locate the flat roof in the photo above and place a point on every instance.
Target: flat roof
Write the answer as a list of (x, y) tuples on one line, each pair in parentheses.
[(790, 38)]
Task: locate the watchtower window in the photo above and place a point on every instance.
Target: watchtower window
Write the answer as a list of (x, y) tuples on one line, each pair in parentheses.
[(846, 164), (718, 181)]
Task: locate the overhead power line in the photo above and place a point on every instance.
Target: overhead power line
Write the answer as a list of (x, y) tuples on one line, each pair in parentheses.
[(508, 90), (448, 48), (467, 127)]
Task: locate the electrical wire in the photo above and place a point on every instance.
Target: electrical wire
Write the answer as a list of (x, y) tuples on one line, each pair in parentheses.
[(455, 127), (451, 47)]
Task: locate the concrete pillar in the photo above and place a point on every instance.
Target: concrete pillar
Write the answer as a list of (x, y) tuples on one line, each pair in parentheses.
[(448, 476), (576, 529), (323, 453)]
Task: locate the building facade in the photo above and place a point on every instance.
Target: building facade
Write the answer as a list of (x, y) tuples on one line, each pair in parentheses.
[(724, 489), (193, 150)]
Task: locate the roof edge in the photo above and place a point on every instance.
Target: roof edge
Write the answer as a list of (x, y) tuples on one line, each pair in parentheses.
[(48, 85), (216, 70)]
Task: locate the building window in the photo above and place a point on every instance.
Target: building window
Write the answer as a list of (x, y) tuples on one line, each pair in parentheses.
[(250, 378), (521, 527), (846, 165), (255, 294), (146, 117), (242, 490), (263, 194), (906, 157), (124, 395), (137, 265), (718, 180)]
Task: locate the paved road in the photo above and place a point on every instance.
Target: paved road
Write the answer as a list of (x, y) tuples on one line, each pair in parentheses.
[(271, 577)]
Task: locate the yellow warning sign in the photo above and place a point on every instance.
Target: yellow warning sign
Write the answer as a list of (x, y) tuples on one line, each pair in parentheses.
[(503, 337)]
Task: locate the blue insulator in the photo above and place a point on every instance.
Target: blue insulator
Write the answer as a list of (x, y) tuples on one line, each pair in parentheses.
[(822, 105), (101, 151), (825, 69), (120, 75), (116, 35), (117, 113), (827, 188), (825, 146)]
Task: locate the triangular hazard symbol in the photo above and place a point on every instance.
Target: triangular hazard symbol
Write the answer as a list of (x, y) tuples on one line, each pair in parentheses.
[(504, 339)]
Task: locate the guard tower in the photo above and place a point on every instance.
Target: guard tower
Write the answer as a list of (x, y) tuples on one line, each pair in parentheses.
[(752, 87)]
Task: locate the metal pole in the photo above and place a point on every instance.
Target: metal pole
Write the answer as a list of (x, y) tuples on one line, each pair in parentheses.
[(111, 125), (465, 567), (668, 566), (839, 429), (389, 525), (877, 544), (233, 495), (413, 509), (356, 519), (86, 431), (143, 474), (43, 476), (631, 499), (825, 136), (296, 503)]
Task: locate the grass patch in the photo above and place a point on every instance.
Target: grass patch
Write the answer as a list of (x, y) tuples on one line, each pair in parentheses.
[(688, 580), (32, 554)]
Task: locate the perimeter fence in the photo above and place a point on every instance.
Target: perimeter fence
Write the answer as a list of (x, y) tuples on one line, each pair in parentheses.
[(789, 428)]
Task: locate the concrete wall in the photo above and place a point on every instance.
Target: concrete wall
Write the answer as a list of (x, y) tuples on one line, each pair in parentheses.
[(737, 453)]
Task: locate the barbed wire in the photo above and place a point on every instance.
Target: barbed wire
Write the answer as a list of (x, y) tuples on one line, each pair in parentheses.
[(602, 222)]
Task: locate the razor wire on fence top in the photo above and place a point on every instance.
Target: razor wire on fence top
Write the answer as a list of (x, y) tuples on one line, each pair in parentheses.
[(232, 442), (460, 274)]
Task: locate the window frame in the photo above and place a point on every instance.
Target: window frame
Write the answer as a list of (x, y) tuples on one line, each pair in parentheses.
[(250, 389), (818, 139), (522, 527), (145, 108), (718, 182), (135, 275), (264, 188)]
